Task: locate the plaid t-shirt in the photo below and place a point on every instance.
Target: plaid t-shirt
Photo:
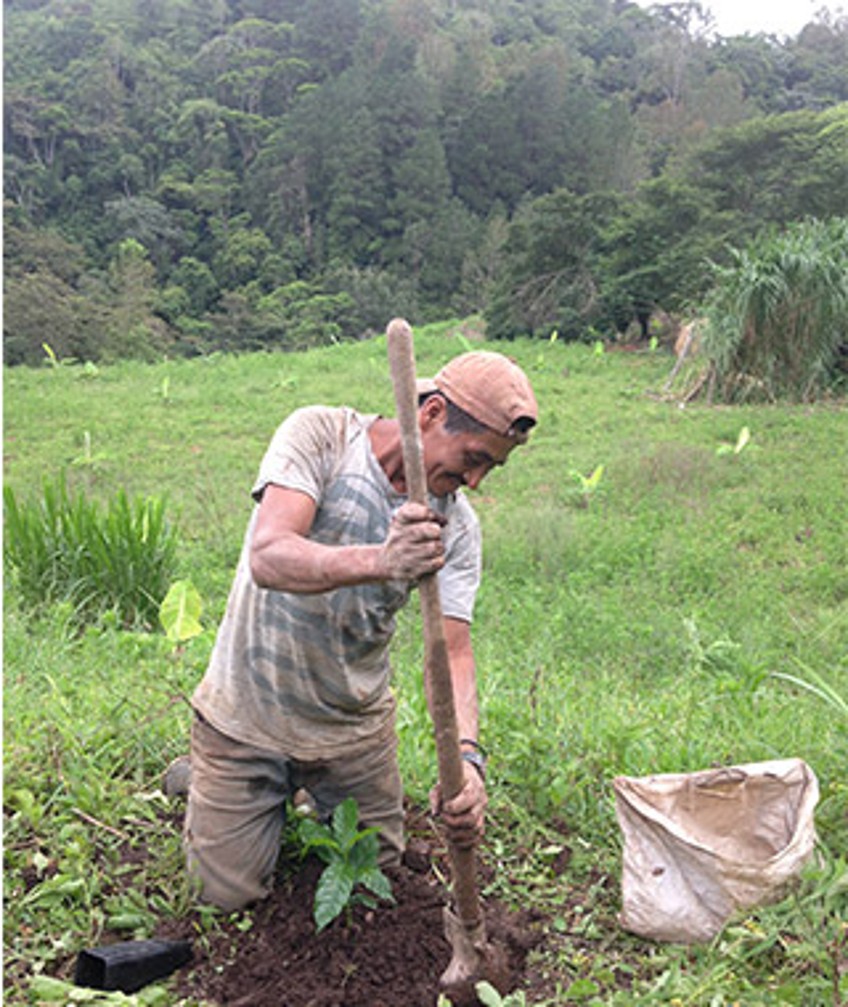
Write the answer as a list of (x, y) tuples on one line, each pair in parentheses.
[(308, 675)]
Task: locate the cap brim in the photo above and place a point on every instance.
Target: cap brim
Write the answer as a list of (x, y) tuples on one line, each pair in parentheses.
[(426, 386)]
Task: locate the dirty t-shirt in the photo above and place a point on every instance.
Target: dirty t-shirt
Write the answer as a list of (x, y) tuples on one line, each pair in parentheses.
[(308, 675)]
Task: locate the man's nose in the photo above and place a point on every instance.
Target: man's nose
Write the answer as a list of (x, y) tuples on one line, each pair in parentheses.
[(473, 477)]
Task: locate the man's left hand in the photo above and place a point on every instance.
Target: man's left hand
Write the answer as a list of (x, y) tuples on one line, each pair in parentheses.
[(464, 815)]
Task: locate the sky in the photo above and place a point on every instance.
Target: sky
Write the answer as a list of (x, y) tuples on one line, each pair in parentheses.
[(777, 17)]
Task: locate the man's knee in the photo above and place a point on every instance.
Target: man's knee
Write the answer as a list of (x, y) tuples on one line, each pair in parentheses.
[(222, 884), (234, 819)]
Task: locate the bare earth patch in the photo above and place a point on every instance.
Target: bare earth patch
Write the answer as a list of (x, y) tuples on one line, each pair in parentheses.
[(392, 956)]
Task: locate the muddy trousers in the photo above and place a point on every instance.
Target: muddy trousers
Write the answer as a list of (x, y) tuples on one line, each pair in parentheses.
[(236, 809)]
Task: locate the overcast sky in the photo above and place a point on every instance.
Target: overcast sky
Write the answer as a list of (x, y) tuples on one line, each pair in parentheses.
[(776, 17)]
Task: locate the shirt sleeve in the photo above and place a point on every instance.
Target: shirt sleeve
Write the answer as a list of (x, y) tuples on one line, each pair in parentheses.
[(303, 452)]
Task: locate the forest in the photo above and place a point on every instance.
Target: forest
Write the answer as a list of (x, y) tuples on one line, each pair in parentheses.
[(186, 176)]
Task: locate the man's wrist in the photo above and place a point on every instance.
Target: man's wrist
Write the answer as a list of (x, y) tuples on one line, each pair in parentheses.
[(473, 752)]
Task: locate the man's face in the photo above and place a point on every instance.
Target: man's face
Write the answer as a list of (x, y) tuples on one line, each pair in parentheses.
[(452, 460)]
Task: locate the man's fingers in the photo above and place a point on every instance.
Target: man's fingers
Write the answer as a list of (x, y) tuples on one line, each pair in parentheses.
[(463, 816), (414, 544), (416, 513)]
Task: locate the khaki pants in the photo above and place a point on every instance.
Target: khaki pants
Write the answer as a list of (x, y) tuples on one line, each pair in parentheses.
[(236, 806)]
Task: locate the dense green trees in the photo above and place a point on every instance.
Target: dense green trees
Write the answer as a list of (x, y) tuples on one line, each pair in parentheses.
[(193, 174), (604, 260)]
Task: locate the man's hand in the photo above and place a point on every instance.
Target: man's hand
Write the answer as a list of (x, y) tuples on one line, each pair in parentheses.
[(414, 547), (464, 815)]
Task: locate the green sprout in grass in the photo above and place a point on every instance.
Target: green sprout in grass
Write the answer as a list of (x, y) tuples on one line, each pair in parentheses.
[(88, 458), (588, 484), (180, 611), (350, 854), (490, 997), (738, 447), (50, 355)]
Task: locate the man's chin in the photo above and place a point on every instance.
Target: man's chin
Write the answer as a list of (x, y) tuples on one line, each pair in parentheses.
[(446, 488)]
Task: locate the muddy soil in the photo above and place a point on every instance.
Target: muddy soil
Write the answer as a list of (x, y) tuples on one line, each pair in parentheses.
[(390, 956)]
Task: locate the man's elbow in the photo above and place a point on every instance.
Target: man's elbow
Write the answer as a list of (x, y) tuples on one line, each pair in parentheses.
[(260, 569)]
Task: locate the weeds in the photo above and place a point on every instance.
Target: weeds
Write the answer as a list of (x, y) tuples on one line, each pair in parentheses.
[(816, 684), (777, 314), (65, 548)]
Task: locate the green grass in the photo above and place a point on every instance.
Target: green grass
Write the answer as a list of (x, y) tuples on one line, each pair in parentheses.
[(674, 617)]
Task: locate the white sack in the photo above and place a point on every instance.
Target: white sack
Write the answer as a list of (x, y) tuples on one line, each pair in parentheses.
[(699, 846)]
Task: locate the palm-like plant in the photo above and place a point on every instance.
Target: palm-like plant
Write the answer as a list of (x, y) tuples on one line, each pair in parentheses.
[(778, 315)]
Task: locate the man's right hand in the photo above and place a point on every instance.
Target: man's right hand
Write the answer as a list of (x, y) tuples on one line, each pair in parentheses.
[(413, 546)]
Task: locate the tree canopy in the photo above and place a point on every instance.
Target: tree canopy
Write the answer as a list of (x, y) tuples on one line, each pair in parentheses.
[(184, 175)]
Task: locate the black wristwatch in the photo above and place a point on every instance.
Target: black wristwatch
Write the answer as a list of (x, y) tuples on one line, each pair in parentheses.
[(477, 760)]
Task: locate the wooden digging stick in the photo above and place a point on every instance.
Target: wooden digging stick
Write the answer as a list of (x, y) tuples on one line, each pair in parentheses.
[(468, 941)]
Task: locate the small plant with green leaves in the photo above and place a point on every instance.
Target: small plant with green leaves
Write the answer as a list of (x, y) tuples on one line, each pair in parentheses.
[(88, 458), (588, 484), (180, 611), (741, 441), (350, 854), (490, 997)]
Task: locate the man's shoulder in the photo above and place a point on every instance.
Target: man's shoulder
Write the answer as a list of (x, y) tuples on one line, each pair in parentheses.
[(332, 425)]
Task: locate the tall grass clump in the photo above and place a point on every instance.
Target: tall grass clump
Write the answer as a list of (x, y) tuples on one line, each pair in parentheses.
[(778, 315), (64, 547)]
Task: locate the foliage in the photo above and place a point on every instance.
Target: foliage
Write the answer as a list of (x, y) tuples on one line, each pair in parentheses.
[(777, 316), (180, 610), (90, 849), (63, 547), (45, 991), (350, 854), (548, 275), (817, 685), (362, 149)]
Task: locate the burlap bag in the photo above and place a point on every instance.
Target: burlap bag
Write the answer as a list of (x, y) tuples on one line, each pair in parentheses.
[(700, 846)]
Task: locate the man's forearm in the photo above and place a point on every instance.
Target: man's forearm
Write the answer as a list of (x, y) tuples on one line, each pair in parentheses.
[(463, 677), (300, 565)]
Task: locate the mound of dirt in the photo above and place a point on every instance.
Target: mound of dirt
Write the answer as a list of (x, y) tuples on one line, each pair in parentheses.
[(391, 956)]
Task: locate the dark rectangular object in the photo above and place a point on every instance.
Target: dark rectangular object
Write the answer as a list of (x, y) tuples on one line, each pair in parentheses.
[(130, 965)]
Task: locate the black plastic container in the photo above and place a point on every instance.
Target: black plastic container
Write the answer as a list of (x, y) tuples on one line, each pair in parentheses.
[(130, 965)]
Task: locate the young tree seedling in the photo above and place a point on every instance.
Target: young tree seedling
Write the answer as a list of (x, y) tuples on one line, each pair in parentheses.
[(350, 854)]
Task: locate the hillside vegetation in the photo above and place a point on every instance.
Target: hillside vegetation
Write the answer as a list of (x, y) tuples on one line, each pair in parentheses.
[(193, 175)]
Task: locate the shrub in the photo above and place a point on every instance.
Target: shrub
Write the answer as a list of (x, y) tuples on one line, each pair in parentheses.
[(778, 316), (65, 548)]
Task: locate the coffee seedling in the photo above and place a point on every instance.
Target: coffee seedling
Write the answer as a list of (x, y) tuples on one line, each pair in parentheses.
[(350, 854)]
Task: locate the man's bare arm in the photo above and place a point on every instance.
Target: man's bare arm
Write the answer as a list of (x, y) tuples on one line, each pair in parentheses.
[(283, 558)]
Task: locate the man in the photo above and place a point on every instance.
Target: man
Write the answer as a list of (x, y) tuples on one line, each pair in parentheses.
[(297, 693)]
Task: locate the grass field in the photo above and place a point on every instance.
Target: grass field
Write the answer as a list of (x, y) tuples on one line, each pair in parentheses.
[(686, 608)]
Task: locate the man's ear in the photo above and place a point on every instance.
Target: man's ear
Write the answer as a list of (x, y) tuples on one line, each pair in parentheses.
[(433, 411)]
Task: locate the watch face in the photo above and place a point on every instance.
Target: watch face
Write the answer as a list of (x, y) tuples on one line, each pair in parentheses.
[(476, 760)]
